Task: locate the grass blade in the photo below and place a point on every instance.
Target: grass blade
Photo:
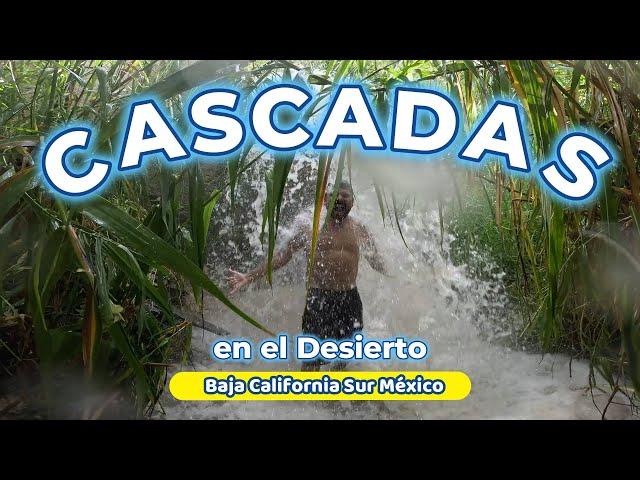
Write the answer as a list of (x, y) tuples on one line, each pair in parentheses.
[(395, 214), (321, 186), (126, 261), (14, 187), (334, 193)]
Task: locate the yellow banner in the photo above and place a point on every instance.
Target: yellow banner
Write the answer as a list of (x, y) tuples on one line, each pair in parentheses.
[(262, 386)]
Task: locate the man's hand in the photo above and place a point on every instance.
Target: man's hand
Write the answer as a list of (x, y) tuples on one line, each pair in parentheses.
[(236, 280)]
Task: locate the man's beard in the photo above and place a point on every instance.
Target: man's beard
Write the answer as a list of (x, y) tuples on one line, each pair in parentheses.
[(340, 211)]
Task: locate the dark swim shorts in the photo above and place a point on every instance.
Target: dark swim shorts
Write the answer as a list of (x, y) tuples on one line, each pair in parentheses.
[(332, 314)]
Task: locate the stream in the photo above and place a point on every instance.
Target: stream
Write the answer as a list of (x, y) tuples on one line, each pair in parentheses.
[(469, 323)]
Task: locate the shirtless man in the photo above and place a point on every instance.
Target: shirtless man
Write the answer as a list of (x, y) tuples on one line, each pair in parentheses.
[(333, 307)]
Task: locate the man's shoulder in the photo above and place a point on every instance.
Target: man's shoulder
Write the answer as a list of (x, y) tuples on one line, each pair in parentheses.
[(302, 230), (358, 226)]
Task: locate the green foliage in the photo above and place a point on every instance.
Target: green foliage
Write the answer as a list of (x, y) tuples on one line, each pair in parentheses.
[(96, 281), (94, 284), (484, 246)]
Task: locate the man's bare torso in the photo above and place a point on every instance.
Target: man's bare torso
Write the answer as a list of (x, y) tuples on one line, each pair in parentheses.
[(337, 255)]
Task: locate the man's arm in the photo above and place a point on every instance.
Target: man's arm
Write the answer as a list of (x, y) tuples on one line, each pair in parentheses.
[(370, 251), (237, 279)]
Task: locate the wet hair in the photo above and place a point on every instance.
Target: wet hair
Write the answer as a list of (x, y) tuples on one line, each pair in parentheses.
[(344, 184)]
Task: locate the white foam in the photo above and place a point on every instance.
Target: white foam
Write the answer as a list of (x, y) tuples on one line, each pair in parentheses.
[(463, 319)]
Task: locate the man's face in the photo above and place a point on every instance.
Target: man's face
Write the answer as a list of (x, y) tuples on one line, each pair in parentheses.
[(343, 205)]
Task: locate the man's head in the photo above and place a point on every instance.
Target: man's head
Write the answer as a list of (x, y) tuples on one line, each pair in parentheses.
[(344, 200)]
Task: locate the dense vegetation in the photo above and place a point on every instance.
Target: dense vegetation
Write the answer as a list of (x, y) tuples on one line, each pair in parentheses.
[(97, 285)]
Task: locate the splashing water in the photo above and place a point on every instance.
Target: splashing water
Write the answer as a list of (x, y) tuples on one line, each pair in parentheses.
[(468, 322)]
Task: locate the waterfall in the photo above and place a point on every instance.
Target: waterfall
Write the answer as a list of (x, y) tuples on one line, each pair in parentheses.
[(469, 322)]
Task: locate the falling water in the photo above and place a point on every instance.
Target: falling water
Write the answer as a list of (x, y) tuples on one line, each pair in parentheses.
[(469, 323)]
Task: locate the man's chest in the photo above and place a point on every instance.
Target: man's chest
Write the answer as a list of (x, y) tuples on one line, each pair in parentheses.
[(342, 239)]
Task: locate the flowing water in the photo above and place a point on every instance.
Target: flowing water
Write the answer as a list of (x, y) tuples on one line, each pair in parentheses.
[(468, 322)]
